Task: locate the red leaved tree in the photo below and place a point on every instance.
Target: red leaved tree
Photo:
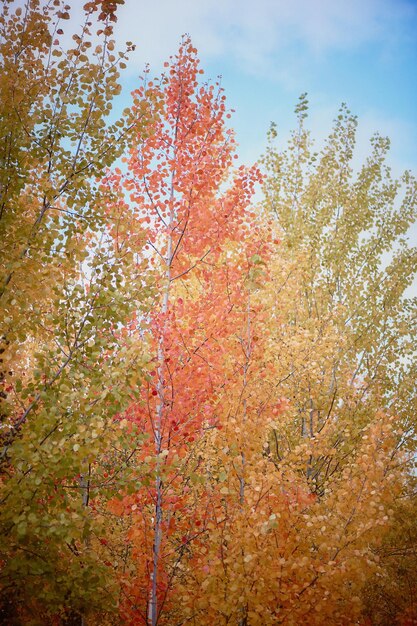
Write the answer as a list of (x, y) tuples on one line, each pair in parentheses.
[(202, 252)]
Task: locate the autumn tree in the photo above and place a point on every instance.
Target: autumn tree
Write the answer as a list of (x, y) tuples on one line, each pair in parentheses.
[(232, 480), (65, 372), (207, 408), (347, 264), (199, 243), (345, 233), (275, 515)]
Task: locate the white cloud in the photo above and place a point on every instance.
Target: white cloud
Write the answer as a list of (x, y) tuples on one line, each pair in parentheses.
[(278, 40), (253, 33)]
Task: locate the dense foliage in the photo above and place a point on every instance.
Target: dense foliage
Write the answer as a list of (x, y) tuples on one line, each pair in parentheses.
[(207, 406)]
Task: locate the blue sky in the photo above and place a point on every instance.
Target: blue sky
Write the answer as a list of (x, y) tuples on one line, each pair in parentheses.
[(362, 52)]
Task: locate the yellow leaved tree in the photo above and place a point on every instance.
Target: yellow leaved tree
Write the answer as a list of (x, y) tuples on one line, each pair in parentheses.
[(65, 289)]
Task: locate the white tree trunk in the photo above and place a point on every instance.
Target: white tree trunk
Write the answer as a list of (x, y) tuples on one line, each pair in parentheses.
[(153, 610)]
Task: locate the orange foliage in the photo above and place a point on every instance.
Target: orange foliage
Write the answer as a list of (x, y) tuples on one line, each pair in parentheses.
[(220, 529)]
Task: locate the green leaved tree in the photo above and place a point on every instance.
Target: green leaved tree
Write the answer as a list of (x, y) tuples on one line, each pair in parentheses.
[(65, 290)]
